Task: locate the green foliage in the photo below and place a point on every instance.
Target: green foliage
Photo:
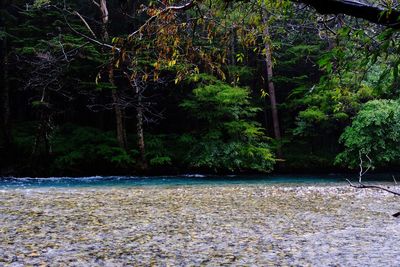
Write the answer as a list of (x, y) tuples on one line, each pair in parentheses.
[(330, 105), (79, 146), (215, 154), (157, 150), (3, 35), (301, 154), (219, 100), (375, 132), (240, 74), (23, 135), (323, 77), (75, 147), (355, 71), (41, 3), (228, 138)]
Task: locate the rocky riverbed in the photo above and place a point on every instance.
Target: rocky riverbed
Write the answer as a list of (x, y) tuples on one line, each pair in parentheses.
[(237, 225)]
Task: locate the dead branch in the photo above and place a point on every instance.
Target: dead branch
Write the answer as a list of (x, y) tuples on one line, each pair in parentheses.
[(86, 24), (360, 185), (354, 8), (362, 173), (364, 186)]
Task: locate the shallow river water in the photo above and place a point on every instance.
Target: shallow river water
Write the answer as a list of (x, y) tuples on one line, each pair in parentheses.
[(196, 224)]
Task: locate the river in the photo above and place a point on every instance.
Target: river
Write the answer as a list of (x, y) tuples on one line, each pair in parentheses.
[(196, 221)]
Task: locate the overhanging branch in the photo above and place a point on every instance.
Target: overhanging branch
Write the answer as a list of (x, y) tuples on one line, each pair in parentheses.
[(372, 13)]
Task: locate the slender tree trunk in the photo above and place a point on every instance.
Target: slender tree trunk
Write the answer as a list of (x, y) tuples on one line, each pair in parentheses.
[(120, 122), (271, 87), (266, 116), (42, 145), (140, 132), (233, 47), (119, 114), (104, 17)]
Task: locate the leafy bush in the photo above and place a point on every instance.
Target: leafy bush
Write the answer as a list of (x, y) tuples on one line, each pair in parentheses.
[(227, 138), (157, 150), (79, 146), (24, 136), (375, 131)]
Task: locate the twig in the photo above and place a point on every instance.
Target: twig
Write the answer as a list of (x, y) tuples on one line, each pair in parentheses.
[(361, 174), (91, 39), (97, 4), (363, 186), (62, 50), (360, 185), (86, 24)]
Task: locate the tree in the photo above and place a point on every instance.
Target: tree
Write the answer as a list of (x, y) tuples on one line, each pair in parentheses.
[(227, 139), (270, 77), (4, 78), (374, 132), (149, 57), (119, 114)]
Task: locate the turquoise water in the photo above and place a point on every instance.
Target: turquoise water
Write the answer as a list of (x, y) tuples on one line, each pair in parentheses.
[(183, 180)]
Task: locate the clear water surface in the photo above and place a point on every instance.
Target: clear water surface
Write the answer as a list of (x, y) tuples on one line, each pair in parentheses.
[(182, 180)]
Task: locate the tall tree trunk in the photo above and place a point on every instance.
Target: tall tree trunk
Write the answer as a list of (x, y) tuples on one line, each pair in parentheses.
[(140, 132), (42, 146), (119, 118), (104, 18), (119, 114), (265, 109), (271, 87), (4, 97), (233, 46)]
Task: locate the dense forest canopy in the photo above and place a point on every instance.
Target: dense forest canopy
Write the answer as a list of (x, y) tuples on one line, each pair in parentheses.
[(122, 87)]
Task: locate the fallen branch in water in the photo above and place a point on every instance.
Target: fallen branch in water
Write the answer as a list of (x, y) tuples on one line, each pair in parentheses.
[(363, 186), (360, 185)]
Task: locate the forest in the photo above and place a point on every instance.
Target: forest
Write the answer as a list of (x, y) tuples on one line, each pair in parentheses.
[(216, 86)]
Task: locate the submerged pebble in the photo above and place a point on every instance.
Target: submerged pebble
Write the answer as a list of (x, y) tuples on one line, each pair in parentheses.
[(233, 225)]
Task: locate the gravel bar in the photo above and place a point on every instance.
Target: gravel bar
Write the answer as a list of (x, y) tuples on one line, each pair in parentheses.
[(237, 225)]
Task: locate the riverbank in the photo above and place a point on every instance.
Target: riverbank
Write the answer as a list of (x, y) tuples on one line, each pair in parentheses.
[(199, 225)]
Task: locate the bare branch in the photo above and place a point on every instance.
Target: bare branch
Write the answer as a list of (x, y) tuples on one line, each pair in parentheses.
[(91, 39), (94, 2), (63, 51), (360, 185), (104, 11), (86, 24), (362, 172), (363, 186)]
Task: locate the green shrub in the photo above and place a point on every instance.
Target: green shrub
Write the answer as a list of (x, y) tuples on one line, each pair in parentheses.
[(227, 138), (375, 132), (79, 146)]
